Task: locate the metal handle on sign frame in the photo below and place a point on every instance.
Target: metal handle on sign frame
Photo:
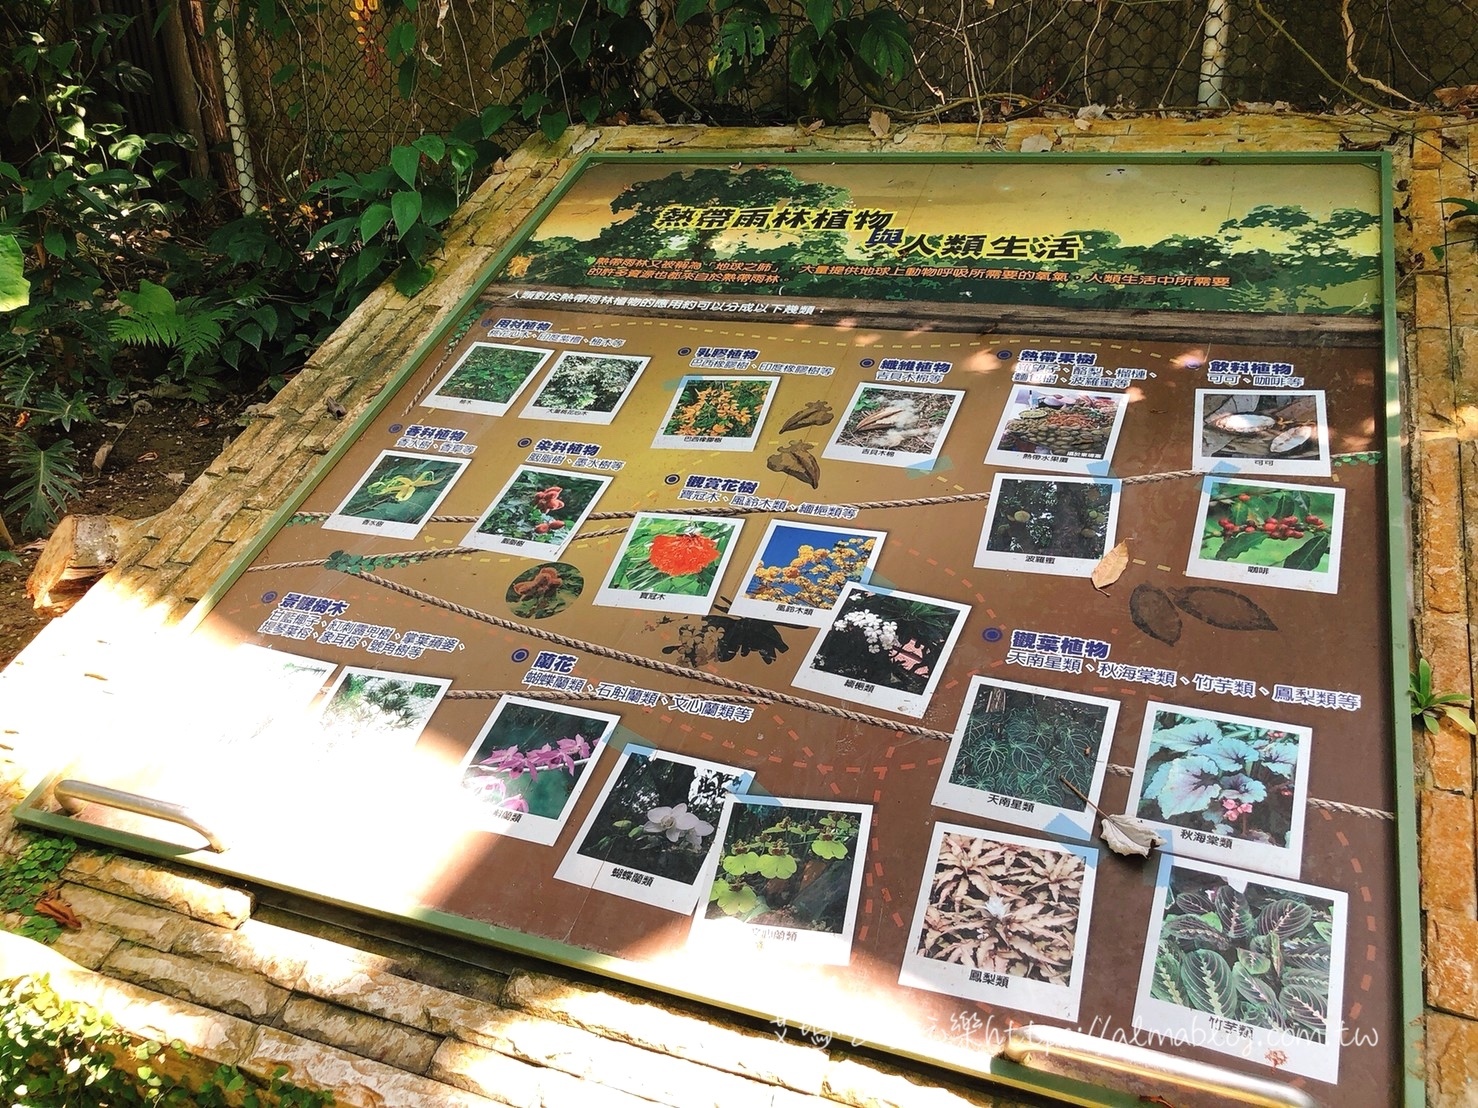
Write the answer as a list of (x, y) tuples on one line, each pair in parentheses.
[(1137, 1061), (71, 793)]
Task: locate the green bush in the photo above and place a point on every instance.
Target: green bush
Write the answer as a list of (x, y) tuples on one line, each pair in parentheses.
[(57, 1053)]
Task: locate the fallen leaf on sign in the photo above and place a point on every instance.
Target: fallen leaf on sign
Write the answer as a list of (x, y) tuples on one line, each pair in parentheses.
[(1111, 566), (1127, 835), (879, 124), (1038, 143), (814, 126)]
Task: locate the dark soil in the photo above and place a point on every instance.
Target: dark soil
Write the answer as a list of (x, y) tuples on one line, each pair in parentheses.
[(158, 447)]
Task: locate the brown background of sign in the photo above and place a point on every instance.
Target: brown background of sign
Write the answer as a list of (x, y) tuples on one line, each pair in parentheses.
[(1322, 641)]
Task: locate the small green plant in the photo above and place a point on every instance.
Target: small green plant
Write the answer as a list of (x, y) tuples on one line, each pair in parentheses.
[(778, 871), (57, 1053), (1429, 707), (27, 878)]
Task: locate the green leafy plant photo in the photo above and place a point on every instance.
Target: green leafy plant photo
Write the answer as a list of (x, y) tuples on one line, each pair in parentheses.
[(1261, 957), (786, 866), (1032, 746), (673, 556), (1228, 778), (1262, 526)]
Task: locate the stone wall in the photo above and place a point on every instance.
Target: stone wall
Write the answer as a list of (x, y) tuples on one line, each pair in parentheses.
[(405, 1020)]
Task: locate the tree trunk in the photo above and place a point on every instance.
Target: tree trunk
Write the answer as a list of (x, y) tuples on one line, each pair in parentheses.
[(81, 549), (206, 71)]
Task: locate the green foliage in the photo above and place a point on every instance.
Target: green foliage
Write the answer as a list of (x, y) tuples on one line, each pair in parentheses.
[(875, 46), (15, 290), (1429, 706), (786, 865), (389, 218), (1263, 526), (536, 509), (57, 1053), (1032, 746), (45, 478), (153, 317), (114, 269), (369, 563), (27, 878), (1260, 956)]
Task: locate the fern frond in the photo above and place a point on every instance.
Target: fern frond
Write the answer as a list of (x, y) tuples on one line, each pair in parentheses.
[(146, 330), (154, 318)]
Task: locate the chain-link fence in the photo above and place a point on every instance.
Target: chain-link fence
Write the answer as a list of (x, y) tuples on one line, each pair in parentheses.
[(323, 96)]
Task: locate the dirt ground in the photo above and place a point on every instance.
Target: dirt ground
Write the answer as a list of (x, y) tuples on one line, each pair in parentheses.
[(158, 447)]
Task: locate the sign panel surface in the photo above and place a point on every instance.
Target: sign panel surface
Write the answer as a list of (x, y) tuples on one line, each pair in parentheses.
[(753, 646)]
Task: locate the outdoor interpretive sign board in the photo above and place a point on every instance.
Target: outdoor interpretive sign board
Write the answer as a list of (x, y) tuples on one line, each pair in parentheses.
[(711, 604)]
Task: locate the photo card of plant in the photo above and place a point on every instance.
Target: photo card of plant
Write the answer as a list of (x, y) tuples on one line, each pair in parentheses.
[(785, 880), (1246, 965), (487, 378), (536, 514), (883, 648), (798, 573), (526, 769), (1028, 756), (670, 563), (585, 388), (1058, 525), (1224, 788), (652, 828), (1064, 430), (375, 712), (716, 413), (1254, 533), (1283, 434), (396, 495), (268, 694), (1003, 920), (890, 425)]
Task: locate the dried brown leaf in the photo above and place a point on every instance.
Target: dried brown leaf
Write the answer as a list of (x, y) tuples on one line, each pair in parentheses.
[(1111, 566), (1457, 94), (59, 910), (879, 124)]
